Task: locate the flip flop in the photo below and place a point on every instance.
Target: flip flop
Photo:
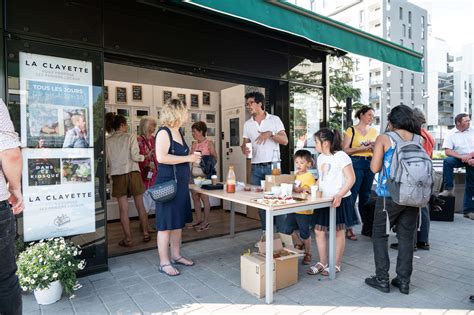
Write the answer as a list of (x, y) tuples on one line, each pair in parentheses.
[(203, 228), (178, 261), (162, 270), (125, 243), (146, 238), (315, 269)]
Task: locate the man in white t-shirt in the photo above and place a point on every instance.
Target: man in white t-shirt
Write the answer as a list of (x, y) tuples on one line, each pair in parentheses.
[(266, 132), (459, 147)]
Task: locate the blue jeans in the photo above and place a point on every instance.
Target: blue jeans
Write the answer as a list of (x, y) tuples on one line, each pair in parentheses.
[(296, 221), (405, 218), (362, 187), (449, 164), (10, 292), (258, 173)]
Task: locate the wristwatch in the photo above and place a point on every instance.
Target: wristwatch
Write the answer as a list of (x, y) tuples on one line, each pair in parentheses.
[(273, 134)]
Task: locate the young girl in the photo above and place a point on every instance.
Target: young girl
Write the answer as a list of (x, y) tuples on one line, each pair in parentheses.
[(336, 177), (207, 149)]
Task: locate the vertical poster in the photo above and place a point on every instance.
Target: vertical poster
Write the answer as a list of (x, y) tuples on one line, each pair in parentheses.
[(57, 131)]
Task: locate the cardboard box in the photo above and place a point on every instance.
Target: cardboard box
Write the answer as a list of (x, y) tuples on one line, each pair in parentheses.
[(252, 274), (286, 263), (276, 180)]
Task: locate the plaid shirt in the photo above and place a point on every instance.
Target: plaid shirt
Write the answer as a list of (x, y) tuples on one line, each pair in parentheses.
[(8, 140)]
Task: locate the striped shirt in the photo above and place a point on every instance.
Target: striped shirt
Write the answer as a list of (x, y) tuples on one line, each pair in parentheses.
[(8, 140)]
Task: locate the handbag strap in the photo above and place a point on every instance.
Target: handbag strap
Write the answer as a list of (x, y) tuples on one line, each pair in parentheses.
[(172, 148)]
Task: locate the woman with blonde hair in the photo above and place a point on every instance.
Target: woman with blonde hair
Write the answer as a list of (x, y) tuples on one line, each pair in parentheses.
[(173, 156)]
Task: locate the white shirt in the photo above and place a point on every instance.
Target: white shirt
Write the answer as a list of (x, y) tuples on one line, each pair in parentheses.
[(331, 175), (460, 142), (262, 153)]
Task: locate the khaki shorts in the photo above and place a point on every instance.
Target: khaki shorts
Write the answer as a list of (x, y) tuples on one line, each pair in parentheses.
[(127, 185)]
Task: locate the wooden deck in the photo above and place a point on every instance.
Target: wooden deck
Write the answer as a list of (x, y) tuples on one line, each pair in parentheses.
[(218, 226)]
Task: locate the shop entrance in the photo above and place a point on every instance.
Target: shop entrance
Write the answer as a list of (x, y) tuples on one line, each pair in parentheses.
[(135, 92)]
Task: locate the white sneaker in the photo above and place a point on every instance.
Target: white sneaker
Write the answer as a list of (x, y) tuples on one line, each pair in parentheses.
[(447, 193)]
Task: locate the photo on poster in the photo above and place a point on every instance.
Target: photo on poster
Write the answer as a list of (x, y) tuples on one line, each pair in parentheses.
[(76, 171), (44, 172), (75, 127), (206, 98), (194, 100), (43, 126)]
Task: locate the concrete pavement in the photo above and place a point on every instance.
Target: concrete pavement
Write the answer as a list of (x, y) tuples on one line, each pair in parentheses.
[(443, 279)]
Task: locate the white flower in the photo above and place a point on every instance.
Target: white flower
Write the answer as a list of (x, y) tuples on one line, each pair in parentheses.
[(32, 281), (55, 275), (41, 241), (57, 257), (24, 288), (27, 279), (75, 253), (51, 252), (80, 252), (61, 247), (41, 260), (69, 263), (35, 276), (45, 278)]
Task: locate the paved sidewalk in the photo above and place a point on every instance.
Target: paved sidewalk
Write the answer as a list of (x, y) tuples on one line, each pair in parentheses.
[(442, 281)]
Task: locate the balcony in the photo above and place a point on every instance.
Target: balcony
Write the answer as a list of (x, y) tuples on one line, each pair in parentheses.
[(450, 69), (445, 109), (374, 98), (446, 121), (445, 98), (445, 85), (376, 81), (449, 58)]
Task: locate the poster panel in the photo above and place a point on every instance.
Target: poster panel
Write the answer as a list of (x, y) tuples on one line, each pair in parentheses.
[(56, 102), (58, 189)]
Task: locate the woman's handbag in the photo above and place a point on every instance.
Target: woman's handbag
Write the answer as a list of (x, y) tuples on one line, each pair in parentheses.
[(166, 191)]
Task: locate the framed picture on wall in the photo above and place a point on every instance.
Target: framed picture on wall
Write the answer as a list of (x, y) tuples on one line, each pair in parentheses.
[(211, 118), (106, 93), (167, 95), (211, 132), (206, 98), (194, 100), (121, 95), (182, 97), (137, 92), (195, 117)]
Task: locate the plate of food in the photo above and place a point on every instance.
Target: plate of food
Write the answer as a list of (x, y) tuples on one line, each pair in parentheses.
[(271, 199)]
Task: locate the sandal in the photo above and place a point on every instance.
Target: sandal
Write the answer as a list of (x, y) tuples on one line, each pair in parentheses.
[(162, 270), (193, 226), (307, 259), (146, 238), (350, 235), (325, 272), (315, 269), (179, 261), (125, 243), (203, 228), (299, 246)]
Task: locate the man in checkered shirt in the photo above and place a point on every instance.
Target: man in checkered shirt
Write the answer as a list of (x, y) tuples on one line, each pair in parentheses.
[(11, 203)]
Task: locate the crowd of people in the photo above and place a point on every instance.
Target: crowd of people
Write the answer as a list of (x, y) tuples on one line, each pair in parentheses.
[(346, 166)]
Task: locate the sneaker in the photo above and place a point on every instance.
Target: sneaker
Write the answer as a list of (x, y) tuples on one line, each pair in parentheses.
[(447, 193), (469, 215), (381, 285), (423, 245)]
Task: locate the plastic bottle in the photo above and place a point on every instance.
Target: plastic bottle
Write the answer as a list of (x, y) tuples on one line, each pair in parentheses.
[(276, 164), (230, 180)]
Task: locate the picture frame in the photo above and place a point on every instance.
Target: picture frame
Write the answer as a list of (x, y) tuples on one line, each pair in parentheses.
[(106, 93), (210, 118), (194, 100), (195, 117), (121, 94), (206, 98), (211, 132), (137, 92), (167, 95), (182, 97)]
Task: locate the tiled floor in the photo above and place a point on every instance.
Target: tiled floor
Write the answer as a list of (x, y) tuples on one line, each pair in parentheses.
[(443, 279)]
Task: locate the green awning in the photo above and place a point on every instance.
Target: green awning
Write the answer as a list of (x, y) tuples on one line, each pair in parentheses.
[(288, 18)]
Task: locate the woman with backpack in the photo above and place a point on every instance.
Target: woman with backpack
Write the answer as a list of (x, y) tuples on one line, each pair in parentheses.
[(403, 127)]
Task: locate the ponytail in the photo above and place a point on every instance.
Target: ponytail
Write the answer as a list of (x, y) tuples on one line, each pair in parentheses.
[(114, 122), (332, 136)]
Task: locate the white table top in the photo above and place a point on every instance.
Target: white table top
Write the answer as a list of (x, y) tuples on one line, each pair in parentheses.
[(246, 197)]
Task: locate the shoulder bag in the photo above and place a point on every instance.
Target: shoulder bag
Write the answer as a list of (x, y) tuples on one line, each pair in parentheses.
[(165, 191)]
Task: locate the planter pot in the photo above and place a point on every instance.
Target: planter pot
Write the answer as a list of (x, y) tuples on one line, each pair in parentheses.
[(49, 295)]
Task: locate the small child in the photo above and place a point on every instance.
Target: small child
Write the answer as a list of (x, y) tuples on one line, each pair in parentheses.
[(302, 220), (336, 177)]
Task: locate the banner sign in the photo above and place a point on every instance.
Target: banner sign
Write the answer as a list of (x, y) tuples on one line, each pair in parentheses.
[(57, 136)]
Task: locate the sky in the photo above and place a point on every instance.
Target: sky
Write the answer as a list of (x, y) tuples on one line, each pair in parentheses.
[(451, 20)]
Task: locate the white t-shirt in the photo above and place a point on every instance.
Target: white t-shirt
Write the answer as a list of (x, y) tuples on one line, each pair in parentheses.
[(460, 142), (262, 153), (331, 175)]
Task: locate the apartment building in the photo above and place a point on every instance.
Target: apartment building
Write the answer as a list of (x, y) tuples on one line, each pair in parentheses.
[(383, 85)]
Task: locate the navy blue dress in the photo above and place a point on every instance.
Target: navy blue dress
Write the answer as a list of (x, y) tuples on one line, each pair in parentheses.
[(174, 214)]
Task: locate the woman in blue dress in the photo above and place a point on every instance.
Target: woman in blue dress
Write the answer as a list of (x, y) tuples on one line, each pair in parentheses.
[(172, 216)]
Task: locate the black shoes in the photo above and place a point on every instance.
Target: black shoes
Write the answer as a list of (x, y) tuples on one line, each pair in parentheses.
[(403, 287), (381, 285), (415, 248), (423, 245)]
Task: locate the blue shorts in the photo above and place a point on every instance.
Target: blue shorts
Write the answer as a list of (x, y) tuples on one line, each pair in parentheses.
[(295, 221)]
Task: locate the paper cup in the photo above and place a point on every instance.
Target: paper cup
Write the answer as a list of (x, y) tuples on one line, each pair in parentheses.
[(276, 190), (249, 146), (214, 179), (314, 190), (262, 184)]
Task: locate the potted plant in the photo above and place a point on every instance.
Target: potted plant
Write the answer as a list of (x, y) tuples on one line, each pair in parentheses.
[(49, 266)]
